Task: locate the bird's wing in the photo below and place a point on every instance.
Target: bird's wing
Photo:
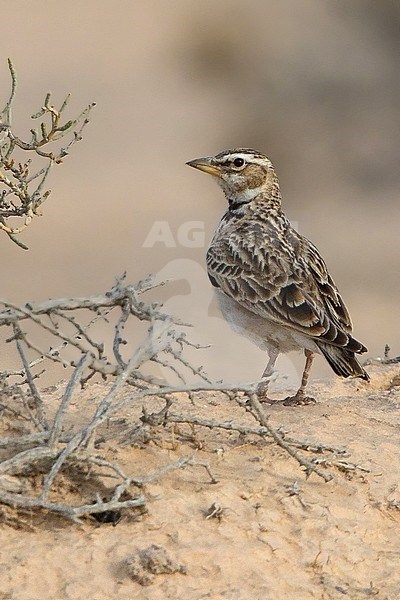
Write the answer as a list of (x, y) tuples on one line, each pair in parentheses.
[(291, 287)]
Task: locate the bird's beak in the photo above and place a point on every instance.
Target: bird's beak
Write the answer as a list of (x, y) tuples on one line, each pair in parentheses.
[(208, 165)]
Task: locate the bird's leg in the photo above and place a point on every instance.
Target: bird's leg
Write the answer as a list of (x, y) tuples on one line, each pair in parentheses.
[(300, 398), (306, 373), (262, 387)]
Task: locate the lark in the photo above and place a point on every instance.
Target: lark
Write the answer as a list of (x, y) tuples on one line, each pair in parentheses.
[(271, 283)]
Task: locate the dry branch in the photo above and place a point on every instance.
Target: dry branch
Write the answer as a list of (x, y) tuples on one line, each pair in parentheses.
[(309, 467), (52, 448), (263, 432), (25, 165)]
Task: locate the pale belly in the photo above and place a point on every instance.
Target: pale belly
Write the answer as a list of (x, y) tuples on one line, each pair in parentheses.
[(263, 332)]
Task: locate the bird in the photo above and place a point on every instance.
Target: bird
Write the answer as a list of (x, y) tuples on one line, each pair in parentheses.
[(271, 282)]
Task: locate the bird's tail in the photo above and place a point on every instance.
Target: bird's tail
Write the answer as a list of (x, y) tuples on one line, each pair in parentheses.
[(343, 361)]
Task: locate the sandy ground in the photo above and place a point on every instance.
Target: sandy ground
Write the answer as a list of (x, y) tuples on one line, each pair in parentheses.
[(327, 540)]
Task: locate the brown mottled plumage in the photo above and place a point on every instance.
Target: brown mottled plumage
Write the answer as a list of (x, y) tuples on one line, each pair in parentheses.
[(271, 282)]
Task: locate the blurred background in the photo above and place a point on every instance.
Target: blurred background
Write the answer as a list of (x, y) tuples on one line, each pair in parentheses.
[(313, 84)]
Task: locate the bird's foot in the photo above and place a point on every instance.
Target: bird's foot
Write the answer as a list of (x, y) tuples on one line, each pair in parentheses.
[(261, 391), (299, 399), (265, 400)]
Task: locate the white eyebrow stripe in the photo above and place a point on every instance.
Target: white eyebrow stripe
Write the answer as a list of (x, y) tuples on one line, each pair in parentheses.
[(247, 157), (231, 157)]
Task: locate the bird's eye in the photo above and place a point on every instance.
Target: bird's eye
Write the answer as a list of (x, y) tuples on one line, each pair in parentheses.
[(238, 162)]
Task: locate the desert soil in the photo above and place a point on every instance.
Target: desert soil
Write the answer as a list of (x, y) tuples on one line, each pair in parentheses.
[(272, 534)]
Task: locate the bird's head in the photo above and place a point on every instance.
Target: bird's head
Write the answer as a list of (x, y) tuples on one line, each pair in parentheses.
[(242, 173)]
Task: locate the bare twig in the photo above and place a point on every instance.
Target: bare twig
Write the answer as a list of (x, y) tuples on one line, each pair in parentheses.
[(53, 450), (38, 402), (56, 428), (263, 432), (20, 194), (75, 513), (309, 467)]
